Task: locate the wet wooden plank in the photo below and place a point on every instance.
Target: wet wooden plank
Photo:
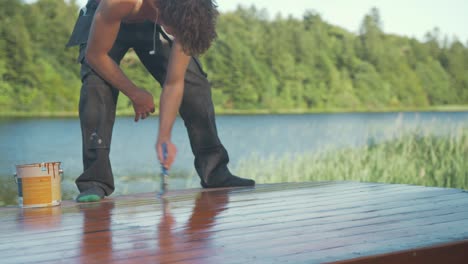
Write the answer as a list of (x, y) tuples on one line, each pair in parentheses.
[(447, 253), (294, 222)]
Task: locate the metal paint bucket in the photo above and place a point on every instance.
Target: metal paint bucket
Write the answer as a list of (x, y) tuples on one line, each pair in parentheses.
[(39, 184)]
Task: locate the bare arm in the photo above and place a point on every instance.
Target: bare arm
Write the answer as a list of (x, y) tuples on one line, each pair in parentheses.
[(104, 30), (171, 99)]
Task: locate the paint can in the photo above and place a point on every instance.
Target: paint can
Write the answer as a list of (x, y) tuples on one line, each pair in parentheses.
[(39, 184)]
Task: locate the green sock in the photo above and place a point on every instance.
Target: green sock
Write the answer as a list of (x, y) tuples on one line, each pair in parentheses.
[(88, 198), (94, 194)]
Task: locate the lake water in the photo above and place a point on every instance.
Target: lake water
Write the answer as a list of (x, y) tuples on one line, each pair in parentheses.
[(32, 140)]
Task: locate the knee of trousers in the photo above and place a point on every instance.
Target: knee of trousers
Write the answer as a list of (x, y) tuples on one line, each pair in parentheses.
[(197, 102), (97, 112)]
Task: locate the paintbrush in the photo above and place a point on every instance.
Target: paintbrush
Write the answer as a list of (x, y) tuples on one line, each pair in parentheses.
[(164, 172)]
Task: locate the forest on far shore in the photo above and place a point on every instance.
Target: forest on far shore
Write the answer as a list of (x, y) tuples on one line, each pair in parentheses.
[(258, 63)]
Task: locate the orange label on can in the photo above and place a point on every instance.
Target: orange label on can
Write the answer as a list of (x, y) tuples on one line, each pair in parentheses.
[(37, 190)]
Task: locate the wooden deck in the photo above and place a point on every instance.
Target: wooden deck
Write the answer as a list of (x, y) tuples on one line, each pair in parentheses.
[(283, 223)]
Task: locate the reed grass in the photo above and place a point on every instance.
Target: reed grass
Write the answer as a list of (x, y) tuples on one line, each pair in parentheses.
[(417, 157)]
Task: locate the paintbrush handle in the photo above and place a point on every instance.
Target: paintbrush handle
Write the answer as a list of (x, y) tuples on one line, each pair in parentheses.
[(164, 171), (164, 150)]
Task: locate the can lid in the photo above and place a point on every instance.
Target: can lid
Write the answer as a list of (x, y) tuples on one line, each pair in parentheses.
[(40, 164)]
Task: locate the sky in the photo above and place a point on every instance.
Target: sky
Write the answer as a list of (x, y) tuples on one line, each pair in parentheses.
[(412, 18)]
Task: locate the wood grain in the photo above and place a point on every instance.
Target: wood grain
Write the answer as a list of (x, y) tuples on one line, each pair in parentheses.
[(316, 222)]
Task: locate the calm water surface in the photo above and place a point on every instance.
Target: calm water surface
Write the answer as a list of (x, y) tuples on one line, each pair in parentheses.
[(133, 157)]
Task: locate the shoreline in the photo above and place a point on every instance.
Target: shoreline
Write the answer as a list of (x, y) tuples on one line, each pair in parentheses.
[(448, 108)]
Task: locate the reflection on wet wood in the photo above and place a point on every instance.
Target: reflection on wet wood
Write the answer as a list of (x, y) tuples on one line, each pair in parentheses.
[(295, 223)]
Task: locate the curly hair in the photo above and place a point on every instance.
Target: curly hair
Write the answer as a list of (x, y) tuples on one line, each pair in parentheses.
[(193, 22)]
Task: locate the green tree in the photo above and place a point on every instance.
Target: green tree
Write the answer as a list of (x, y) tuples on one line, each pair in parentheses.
[(257, 62), (436, 82)]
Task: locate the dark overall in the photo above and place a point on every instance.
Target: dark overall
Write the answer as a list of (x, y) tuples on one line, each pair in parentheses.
[(98, 100)]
